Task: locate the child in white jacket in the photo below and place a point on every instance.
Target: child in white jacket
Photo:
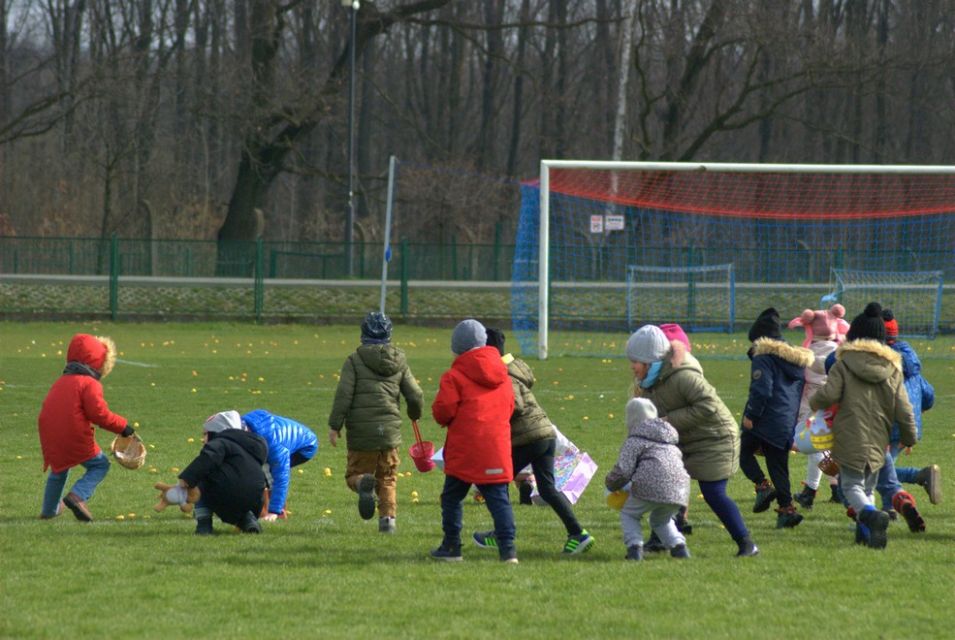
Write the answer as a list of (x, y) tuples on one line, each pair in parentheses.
[(659, 484)]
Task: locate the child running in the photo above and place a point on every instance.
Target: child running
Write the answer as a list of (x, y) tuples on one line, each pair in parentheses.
[(72, 406), (652, 464), (769, 418), (368, 404), (475, 401), (709, 437), (866, 382), (533, 442)]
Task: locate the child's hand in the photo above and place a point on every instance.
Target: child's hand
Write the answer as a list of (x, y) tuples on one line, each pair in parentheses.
[(270, 517), (333, 437), (747, 423)]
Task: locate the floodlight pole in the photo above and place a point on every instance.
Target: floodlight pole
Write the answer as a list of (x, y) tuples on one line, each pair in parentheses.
[(352, 6)]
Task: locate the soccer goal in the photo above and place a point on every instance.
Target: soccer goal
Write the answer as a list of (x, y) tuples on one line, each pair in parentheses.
[(700, 298), (784, 228), (915, 297)]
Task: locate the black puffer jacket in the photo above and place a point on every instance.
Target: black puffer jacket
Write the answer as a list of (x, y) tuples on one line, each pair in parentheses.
[(228, 472)]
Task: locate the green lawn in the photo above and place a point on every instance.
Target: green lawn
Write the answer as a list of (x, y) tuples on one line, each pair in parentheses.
[(327, 573)]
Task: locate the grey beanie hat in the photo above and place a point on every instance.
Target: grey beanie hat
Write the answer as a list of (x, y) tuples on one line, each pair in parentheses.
[(638, 410), (648, 344), (222, 421), (469, 334)]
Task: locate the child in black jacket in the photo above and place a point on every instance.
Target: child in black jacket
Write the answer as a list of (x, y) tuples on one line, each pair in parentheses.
[(229, 474), (769, 419)]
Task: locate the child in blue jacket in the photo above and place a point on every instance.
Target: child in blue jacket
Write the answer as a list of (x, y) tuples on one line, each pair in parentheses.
[(291, 443), (922, 397), (769, 419)]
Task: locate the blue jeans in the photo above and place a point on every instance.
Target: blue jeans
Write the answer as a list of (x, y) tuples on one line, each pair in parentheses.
[(905, 474), (96, 469), (888, 483), (497, 502)]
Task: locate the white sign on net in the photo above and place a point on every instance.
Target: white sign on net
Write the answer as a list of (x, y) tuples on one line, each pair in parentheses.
[(596, 224)]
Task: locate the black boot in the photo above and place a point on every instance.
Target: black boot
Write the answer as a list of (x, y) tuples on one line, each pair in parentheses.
[(204, 526), (747, 548), (654, 544), (836, 496), (249, 523), (805, 498)]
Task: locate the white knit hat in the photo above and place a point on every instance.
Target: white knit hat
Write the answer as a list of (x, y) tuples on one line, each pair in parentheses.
[(222, 421), (638, 410), (648, 344)]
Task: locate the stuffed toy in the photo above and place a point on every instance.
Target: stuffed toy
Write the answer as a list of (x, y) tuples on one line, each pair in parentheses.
[(827, 324), (176, 494)]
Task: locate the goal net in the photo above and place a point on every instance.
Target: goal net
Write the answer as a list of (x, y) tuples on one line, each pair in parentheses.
[(698, 298), (915, 297), (783, 228)]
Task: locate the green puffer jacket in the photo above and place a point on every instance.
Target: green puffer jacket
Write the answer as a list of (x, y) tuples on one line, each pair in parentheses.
[(867, 383), (709, 436), (368, 397), (529, 423)]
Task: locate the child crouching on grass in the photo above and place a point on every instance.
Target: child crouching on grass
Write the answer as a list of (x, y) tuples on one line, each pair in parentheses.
[(72, 406), (866, 382), (659, 485), (475, 402)]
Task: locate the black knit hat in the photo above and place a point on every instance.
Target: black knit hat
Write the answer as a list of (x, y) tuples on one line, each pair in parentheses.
[(376, 329), (767, 325), (495, 338), (868, 324)]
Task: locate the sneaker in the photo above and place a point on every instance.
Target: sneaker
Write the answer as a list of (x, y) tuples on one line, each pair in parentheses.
[(862, 534), (877, 522), (836, 496), (249, 523), (579, 543), (76, 504), (654, 544), (805, 498), (931, 479), (204, 526), (525, 490), (682, 524), (765, 494), (509, 557), (893, 514), (680, 551), (447, 553), (634, 552), (485, 539), (366, 496), (787, 517), (912, 517), (747, 548), (386, 524)]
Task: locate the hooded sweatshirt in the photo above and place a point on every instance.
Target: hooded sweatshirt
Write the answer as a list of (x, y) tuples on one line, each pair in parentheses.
[(866, 382), (75, 403), (229, 474), (368, 398), (775, 389), (651, 461), (475, 402)]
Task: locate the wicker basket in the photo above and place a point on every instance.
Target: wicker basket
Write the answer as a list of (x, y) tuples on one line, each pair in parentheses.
[(129, 451)]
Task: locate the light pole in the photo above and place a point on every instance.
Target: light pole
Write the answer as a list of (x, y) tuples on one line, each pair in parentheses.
[(352, 6)]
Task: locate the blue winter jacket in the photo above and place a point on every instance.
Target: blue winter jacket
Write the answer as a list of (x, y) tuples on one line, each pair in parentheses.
[(284, 437), (775, 389), (921, 393)]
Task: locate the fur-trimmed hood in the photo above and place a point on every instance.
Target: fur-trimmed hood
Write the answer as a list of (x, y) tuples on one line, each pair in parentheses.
[(869, 359), (799, 356)]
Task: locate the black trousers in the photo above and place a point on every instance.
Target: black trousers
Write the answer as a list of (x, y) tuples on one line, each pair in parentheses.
[(777, 464), (540, 455)]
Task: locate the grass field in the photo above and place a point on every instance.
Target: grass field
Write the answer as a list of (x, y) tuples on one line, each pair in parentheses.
[(327, 573)]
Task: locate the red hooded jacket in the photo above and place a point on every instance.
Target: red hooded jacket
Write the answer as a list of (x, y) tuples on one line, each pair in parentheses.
[(475, 401), (74, 404)]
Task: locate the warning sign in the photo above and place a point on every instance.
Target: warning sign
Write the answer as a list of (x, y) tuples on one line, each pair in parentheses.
[(614, 222), (596, 224)]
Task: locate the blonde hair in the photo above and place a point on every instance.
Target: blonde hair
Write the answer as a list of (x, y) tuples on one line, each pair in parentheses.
[(110, 355)]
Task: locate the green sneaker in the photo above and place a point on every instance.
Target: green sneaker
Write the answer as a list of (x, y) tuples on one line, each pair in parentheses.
[(485, 539), (579, 543)]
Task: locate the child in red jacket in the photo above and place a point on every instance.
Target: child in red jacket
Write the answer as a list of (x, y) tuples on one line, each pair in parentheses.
[(72, 406), (475, 402)]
